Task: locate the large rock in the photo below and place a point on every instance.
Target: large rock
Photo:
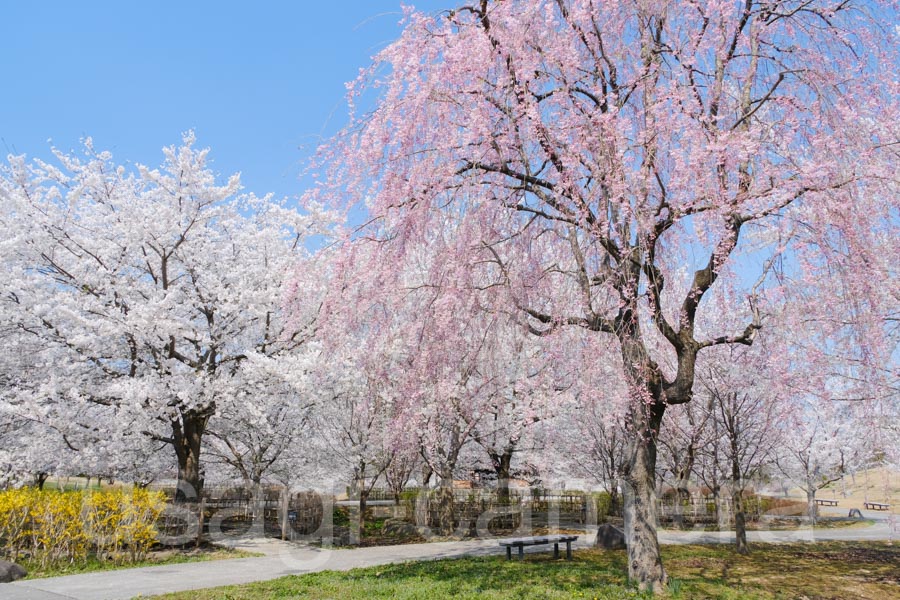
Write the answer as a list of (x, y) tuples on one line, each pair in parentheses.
[(610, 537), (400, 528), (11, 571)]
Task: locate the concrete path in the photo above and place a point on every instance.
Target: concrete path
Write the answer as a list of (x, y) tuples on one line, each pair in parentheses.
[(282, 558)]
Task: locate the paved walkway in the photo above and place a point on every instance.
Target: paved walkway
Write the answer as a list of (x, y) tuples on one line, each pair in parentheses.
[(283, 558)]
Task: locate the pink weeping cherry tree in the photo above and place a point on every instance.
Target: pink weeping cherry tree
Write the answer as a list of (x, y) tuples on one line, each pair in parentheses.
[(604, 164)]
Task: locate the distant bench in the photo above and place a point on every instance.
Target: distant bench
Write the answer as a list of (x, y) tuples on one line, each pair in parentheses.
[(876, 506), (556, 540), (825, 502)]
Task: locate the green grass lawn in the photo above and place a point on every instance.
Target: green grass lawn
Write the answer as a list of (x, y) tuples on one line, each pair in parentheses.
[(833, 570), (153, 559)]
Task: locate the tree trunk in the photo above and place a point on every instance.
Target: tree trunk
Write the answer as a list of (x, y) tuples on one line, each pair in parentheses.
[(645, 566), (446, 519), (258, 508), (722, 517), (811, 510), (502, 464), (614, 499), (187, 435), (740, 523), (363, 506), (645, 413), (285, 508), (737, 496), (682, 493)]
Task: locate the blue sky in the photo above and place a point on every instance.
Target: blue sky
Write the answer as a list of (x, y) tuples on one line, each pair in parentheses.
[(259, 82)]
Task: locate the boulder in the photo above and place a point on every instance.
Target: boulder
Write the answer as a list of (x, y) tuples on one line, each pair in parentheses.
[(11, 571), (399, 527), (610, 537)]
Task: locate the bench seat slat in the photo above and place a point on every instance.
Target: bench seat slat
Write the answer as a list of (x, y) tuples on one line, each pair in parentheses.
[(538, 540)]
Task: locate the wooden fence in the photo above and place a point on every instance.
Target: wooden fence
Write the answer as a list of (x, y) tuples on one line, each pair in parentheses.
[(232, 510)]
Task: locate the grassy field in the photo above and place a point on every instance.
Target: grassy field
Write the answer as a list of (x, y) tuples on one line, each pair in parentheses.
[(166, 557), (814, 572), (877, 485)]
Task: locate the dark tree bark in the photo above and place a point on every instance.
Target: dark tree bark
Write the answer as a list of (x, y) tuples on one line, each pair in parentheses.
[(187, 437), (427, 472), (443, 496), (40, 479), (641, 512), (446, 514), (501, 463), (737, 501), (646, 409), (363, 491)]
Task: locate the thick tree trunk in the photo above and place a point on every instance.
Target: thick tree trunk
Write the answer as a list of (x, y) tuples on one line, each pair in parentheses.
[(427, 472), (645, 413), (258, 508), (811, 510), (645, 566), (502, 464), (187, 436), (445, 513), (40, 479), (683, 500), (443, 497)]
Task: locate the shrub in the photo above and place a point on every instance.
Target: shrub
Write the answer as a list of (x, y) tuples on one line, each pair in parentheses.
[(781, 506), (54, 527), (603, 501), (408, 499), (15, 521), (340, 516), (122, 525)]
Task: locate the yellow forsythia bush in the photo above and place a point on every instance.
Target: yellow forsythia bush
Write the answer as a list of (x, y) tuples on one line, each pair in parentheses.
[(54, 527), (15, 521)]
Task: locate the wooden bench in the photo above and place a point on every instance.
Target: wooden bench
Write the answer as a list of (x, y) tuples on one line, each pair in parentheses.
[(876, 506), (825, 502), (556, 540)]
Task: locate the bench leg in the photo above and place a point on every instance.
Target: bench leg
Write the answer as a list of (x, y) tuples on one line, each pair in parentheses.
[(556, 550), (568, 550), (521, 552), (508, 553)]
